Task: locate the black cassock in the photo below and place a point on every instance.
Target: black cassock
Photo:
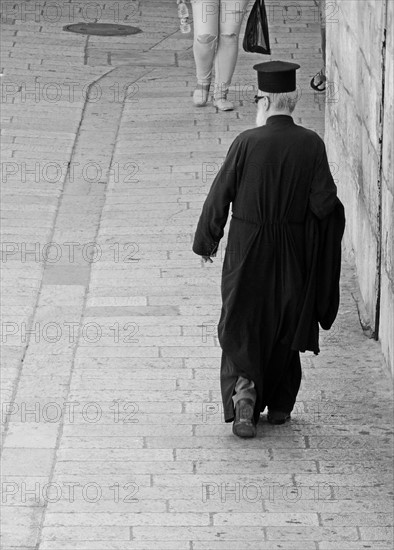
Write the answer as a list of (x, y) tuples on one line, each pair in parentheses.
[(282, 263)]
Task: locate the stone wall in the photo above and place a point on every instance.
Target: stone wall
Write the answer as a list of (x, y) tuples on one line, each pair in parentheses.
[(359, 130), (387, 302)]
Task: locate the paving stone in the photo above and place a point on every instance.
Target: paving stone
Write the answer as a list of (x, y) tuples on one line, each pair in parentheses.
[(83, 532), (112, 545), (22, 462), (32, 430), (357, 545), (252, 544), (197, 533), (266, 520), (122, 519), (20, 526)]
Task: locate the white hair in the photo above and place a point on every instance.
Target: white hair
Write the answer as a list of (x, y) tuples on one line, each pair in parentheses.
[(284, 101)]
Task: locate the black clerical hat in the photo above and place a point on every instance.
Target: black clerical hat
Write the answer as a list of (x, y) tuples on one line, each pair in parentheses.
[(276, 76)]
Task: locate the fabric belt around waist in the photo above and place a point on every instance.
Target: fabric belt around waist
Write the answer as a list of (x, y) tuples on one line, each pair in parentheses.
[(282, 222)]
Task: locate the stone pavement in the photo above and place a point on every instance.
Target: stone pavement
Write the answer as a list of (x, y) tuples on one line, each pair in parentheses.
[(113, 435)]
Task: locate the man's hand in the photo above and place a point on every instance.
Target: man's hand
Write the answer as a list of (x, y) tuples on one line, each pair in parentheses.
[(207, 259)]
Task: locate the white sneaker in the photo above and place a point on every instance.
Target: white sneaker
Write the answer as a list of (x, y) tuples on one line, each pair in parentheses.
[(200, 95), (223, 104)]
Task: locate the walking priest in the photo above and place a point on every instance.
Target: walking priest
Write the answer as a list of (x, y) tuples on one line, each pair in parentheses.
[(281, 269)]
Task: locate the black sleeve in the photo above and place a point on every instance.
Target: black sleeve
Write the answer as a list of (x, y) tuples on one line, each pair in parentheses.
[(323, 193), (214, 214), (331, 230)]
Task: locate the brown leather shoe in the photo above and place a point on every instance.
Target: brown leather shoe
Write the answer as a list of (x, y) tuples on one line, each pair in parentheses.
[(278, 417), (244, 425)]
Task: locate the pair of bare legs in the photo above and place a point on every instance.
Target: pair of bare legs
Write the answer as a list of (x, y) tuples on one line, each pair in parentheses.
[(216, 25)]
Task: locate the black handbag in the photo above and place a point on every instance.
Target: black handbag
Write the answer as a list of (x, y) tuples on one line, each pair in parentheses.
[(256, 37)]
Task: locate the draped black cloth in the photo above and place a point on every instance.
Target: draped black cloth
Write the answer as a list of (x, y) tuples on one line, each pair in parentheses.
[(282, 264)]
